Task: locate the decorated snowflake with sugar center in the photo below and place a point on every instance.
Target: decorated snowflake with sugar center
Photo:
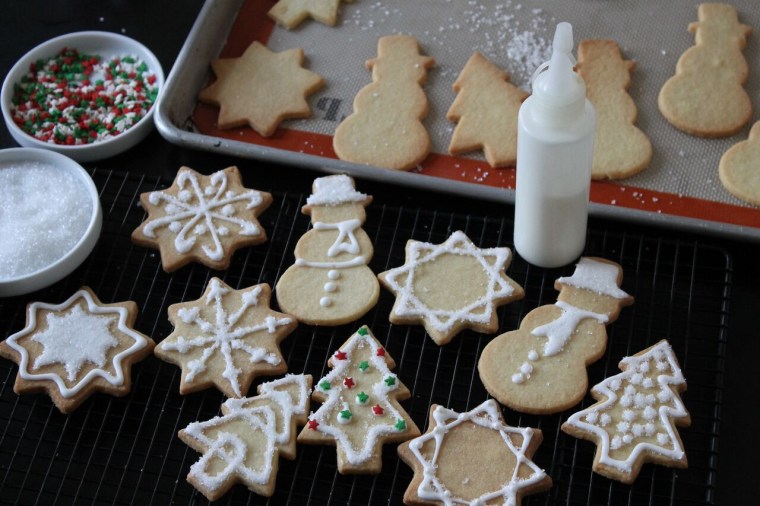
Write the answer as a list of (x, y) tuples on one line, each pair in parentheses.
[(226, 338)]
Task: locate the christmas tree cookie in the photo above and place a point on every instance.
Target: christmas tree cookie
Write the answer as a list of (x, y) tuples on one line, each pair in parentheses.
[(261, 88), (360, 410), (705, 97), (330, 283), (473, 458), (636, 417), (451, 286), (485, 111), (739, 168), (202, 219), (226, 338), (620, 149), (291, 13), (244, 444), (541, 367), (385, 129), (74, 349)]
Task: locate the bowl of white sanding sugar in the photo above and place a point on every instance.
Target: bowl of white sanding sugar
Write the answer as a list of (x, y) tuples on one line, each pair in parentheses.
[(87, 95), (50, 218)]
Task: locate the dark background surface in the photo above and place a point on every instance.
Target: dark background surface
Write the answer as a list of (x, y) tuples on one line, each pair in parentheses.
[(163, 26)]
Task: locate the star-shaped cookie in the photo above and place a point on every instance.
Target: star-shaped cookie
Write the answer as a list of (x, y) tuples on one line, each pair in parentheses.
[(202, 219), (226, 338), (291, 13), (473, 458), (74, 349), (451, 286), (261, 88)]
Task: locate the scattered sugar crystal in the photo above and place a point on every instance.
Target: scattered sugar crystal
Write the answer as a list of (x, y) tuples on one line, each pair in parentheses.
[(44, 212)]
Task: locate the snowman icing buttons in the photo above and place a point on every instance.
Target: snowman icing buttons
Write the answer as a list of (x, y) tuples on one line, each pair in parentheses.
[(330, 283)]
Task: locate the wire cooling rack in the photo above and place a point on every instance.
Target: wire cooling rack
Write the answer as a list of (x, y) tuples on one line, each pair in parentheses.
[(125, 450)]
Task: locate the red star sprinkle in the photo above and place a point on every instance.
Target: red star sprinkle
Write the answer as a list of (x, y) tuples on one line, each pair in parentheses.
[(340, 355), (376, 409), (313, 424), (349, 382), (381, 352)]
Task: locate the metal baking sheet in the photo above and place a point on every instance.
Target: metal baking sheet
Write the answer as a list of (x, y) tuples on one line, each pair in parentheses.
[(679, 189)]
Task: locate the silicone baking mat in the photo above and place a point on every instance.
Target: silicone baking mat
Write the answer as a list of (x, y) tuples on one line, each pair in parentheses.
[(125, 450), (681, 181)]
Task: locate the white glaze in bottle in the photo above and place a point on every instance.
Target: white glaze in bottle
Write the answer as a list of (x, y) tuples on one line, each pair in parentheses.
[(555, 147)]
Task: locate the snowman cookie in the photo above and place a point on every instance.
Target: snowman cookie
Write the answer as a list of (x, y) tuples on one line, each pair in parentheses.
[(541, 367), (739, 168), (330, 282)]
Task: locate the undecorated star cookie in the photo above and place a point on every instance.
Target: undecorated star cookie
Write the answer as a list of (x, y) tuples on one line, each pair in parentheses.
[(635, 418), (244, 444), (74, 349), (473, 458), (541, 367), (360, 408), (485, 111), (202, 219), (451, 286), (261, 88), (226, 339), (291, 13), (739, 168)]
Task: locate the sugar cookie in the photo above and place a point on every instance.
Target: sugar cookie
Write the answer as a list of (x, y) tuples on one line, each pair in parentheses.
[(226, 339), (620, 149), (739, 168), (330, 282), (541, 367), (485, 110), (385, 129), (360, 410), (202, 219), (261, 88), (705, 97), (451, 286), (74, 349), (291, 13), (473, 458), (635, 418)]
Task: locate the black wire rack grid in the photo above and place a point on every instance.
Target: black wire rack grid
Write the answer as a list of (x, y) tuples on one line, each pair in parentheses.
[(125, 450)]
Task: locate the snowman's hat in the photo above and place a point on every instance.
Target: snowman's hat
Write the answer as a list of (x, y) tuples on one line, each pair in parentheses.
[(597, 275), (335, 190)]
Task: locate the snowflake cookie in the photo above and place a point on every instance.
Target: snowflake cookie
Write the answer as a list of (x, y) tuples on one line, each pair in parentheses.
[(541, 367), (473, 458), (360, 410), (261, 88), (636, 417), (244, 444), (74, 349), (451, 286), (202, 219), (226, 338)]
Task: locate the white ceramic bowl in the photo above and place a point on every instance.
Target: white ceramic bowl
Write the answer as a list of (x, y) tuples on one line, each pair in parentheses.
[(107, 45), (60, 268)]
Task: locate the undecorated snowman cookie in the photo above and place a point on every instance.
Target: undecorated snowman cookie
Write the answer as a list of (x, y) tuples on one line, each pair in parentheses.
[(739, 168)]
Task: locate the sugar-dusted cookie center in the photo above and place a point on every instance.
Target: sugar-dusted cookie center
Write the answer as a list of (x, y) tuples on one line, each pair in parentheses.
[(450, 282)]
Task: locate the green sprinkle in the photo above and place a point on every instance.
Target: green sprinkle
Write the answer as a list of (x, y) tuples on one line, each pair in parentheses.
[(362, 331), (325, 385), (362, 398), (400, 425), (363, 366), (390, 381), (346, 414)]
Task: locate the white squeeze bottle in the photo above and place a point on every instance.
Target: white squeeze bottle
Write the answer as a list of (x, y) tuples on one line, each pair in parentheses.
[(555, 147)]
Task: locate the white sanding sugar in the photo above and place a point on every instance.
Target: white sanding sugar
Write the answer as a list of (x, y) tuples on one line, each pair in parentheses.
[(44, 212)]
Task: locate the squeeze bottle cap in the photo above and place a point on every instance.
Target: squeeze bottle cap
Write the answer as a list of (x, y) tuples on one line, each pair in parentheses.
[(557, 89)]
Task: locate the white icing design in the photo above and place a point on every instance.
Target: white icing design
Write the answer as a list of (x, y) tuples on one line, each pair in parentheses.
[(334, 190), (232, 449), (487, 416), (325, 302), (599, 277), (198, 211), (221, 333), (559, 331), (379, 382), (478, 311), (640, 421), (82, 339)]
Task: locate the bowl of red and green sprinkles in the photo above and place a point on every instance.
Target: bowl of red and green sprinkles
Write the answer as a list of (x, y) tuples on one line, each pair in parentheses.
[(87, 95)]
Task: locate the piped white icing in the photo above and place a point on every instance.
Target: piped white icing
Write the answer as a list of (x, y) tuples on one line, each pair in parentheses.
[(638, 421), (89, 345), (197, 211), (478, 311), (334, 190), (486, 415), (558, 332), (599, 277)]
